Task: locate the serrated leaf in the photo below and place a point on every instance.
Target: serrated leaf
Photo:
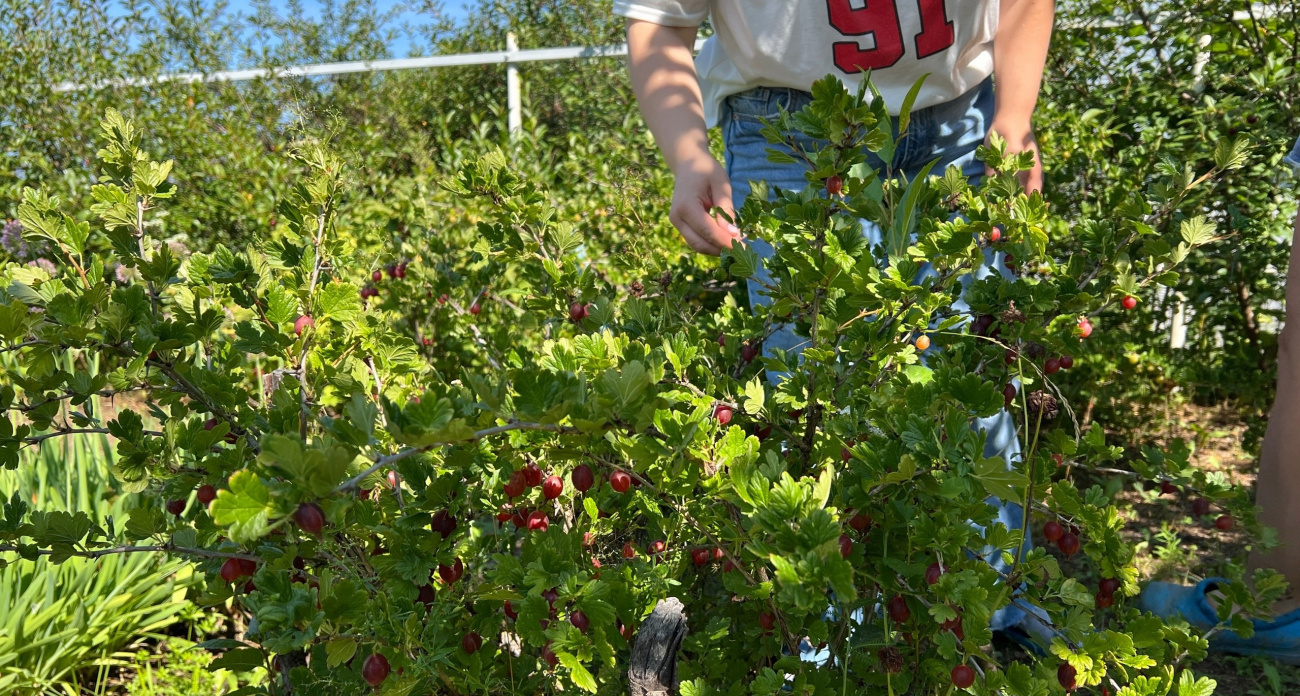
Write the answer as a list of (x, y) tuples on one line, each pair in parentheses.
[(243, 508), (581, 677), (755, 396), (998, 480), (339, 650), (239, 660), (744, 261)]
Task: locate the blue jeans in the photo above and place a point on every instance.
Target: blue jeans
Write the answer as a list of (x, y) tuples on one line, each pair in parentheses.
[(948, 133)]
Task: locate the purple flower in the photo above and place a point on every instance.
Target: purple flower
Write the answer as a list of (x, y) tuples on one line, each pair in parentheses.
[(11, 240), (45, 265)]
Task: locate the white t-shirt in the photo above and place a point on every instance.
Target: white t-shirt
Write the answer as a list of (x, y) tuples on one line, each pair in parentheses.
[(792, 43)]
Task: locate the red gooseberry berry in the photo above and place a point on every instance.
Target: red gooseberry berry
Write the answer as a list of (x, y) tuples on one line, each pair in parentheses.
[(1068, 543), (579, 620), (577, 312), (1066, 674), (933, 572), (963, 676), (444, 523), (898, 610), (375, 670), (582, 478), (451, 573), (310, 518), (552, 487)]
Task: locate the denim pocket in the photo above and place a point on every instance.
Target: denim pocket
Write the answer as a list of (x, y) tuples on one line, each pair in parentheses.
[(752, 105)]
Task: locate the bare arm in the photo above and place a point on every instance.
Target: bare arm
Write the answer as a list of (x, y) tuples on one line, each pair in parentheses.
[(668, 91), (1019, 55)]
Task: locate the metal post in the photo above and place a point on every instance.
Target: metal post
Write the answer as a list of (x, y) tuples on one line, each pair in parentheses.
[(1202, 57), (514, 107), (1178, 325)]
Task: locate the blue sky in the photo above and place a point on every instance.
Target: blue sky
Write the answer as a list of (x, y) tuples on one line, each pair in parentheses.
[(453, 9)]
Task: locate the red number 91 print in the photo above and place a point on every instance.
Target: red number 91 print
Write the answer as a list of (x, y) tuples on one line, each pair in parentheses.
[(879, 19)]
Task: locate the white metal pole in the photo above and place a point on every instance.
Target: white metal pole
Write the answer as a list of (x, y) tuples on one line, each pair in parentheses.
[(1202, 57), (514, 106)]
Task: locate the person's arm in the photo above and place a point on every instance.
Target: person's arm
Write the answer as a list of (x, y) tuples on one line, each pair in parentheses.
[(668, 91), (1019, 54)]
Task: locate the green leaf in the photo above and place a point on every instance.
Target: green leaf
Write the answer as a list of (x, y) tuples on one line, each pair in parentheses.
[(754, 397), (239, 660), (244, 508), (905, 112), (59, 527), (339, 650), (319, 469), (581, 677), (1196, 230), (1189, 685), (998, 480), (146, 521), (744, 261), (340, 302), (905, 216), (1075, 593), (281, 306)]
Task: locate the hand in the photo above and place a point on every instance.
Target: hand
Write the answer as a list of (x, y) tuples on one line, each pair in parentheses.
[(1020, 138), (700, 185)]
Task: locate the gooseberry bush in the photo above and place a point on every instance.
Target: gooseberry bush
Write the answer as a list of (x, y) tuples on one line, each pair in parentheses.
[(399, 515)]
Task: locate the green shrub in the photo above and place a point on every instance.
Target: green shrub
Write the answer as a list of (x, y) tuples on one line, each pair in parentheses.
[(369, 502), (63, 625)]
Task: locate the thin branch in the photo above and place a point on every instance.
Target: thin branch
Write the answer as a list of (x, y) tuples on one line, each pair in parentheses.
[(158, 548), (38, 439)]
